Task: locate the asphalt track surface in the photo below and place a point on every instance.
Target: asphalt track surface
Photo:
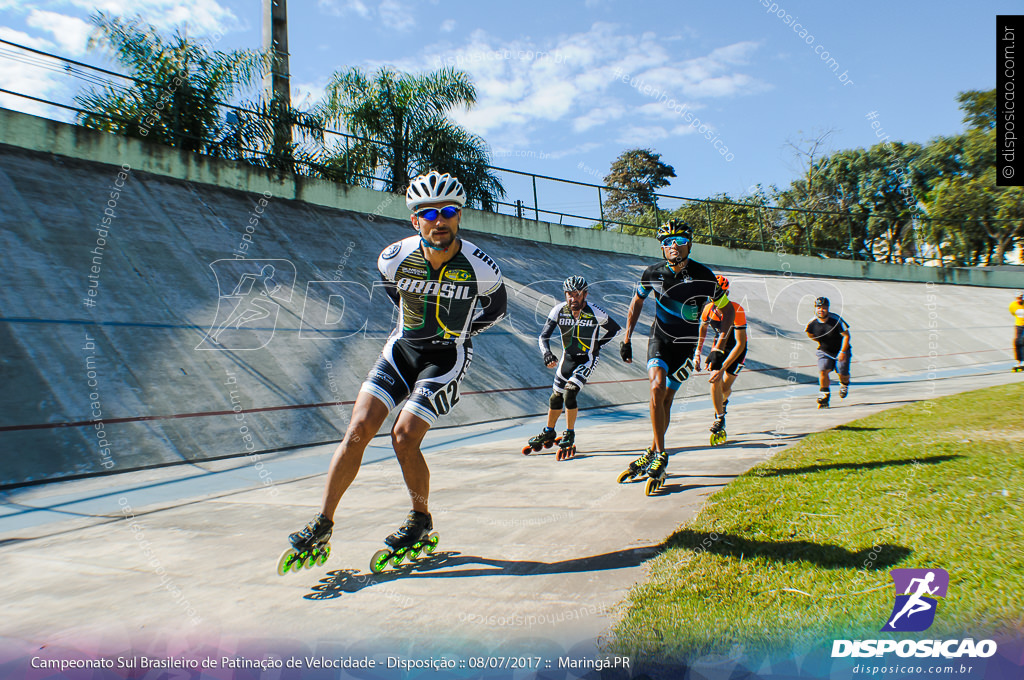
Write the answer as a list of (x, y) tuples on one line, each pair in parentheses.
[(535, 555)]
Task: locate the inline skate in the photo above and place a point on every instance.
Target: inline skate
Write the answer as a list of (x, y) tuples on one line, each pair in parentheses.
[(638, 467), (718, 434), (566, 445), (544, 440), (310, 546), (411, 538), (656, 473)]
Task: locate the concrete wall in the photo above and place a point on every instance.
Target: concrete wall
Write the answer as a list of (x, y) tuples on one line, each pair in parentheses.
[(135, 357), (40, 134)]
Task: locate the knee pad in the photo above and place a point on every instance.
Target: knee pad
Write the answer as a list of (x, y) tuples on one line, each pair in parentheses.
[(555, 402), (570, 396)]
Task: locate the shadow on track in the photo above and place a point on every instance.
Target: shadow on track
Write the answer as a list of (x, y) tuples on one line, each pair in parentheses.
[(871, 465), (824, 555), (445, 564)]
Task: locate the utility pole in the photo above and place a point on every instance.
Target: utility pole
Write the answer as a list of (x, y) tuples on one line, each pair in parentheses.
[(276, 83)]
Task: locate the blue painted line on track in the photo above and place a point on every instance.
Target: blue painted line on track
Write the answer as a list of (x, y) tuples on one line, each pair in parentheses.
[(15, 516)]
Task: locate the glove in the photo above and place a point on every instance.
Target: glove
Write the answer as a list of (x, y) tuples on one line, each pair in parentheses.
[(626, 351), (715, 359), (549, 358)]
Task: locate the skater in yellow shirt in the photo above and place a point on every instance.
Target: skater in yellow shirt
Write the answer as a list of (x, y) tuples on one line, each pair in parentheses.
[(1017, 309)]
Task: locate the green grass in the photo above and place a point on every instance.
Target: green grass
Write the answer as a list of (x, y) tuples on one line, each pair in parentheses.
[(932, 484)]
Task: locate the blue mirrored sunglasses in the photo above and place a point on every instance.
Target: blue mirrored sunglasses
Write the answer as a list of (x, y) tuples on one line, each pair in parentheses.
[(675, 241), (430, 214)]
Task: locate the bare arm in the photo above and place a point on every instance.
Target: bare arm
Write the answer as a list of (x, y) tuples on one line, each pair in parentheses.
[(728, 317), (846, 342), (700, 344), (636, 305)]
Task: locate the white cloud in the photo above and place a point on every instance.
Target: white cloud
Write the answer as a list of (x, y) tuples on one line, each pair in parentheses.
[(306, 95), (687, 129), (577, 150), (661, 109), (636, 135), (71, 33), (448, 25), (31, 80), (579, 77), (598, 116), (202, 17), (576, 79), (394, 14), (11, 35), (397, 16), (344, 7)]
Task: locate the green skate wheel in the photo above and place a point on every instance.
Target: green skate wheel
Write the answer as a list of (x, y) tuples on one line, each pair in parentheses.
[(326, 554), (311, 558), (287, 559), (431, 544), (397, 558), (379, 561)]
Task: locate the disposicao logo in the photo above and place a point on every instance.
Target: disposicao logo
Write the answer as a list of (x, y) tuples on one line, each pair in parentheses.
[(913, 612)]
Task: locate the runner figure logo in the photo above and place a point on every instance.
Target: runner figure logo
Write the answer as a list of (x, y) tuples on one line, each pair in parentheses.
[(250, 294), (916, 590)]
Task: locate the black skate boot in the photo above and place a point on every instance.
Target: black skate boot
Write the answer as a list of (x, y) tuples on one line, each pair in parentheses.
[(544, 439), (411, 538), (843, 390), (656, 473), (637, 467), (310, 546), (823, 398), (566, 445), (718, 430)]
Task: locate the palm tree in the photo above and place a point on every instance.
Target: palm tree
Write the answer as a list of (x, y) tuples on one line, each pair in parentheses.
[(405, 119), (182, 84), (251, 135)]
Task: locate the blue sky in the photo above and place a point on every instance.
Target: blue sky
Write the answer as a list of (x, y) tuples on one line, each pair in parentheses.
[(552, 97)]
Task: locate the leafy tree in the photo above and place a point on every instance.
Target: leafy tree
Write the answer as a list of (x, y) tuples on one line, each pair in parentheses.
[(975, 221), (732, 222), (251, 134), (182, 82), (405, 118), (635, 176)]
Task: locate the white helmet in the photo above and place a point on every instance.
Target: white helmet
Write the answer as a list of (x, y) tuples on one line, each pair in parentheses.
[(432, 188)]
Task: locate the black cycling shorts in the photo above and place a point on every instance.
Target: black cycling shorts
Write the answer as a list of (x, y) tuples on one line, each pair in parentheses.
[(674, 356), (429, 377), (575, 369), (735, 367)]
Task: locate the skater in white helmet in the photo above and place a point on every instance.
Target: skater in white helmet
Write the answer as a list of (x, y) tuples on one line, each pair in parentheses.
[(447, 290)]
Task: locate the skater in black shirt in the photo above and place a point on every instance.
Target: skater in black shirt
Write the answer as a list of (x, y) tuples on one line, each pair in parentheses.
[(579, 324), (833, 337), (681, 288)]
